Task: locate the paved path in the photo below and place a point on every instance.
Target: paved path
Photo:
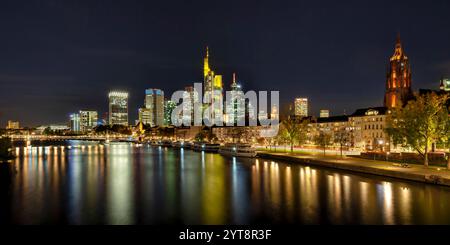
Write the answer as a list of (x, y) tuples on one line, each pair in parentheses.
[(432, 175)]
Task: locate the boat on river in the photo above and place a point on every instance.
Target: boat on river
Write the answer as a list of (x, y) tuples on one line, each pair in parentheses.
[(237, 150), (206, 147), (178, 144)]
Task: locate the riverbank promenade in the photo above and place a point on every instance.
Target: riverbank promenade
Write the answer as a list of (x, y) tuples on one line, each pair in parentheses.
[(432, 175)]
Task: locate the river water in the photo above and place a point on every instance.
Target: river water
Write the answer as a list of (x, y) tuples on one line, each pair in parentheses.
[(89, 183)]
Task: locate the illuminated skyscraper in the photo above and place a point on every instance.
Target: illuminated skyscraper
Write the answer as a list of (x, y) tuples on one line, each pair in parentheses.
[(154, 101), (118, 108), (213, 89), (190, 97), (398, 82), (75, 122), (301, 107), (88, 120), (237, 104), (145, 116)]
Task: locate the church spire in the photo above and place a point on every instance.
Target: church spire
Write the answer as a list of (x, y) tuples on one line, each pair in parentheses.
[(398, 53)]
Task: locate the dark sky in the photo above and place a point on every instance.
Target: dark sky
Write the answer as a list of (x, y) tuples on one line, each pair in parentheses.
[(57, 57)]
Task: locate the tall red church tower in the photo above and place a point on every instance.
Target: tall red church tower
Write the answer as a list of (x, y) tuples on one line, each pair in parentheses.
[(398, 81)]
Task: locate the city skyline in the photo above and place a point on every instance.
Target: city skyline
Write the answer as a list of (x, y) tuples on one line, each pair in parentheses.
[(330, 68)]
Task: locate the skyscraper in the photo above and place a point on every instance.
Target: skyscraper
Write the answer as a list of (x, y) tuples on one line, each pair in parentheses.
[(301, 107), (237, 104), (190, 97), (118, 108), (88, 120), (145, 116), (398, 80), (154, 101), (75, 122), (213, 89)]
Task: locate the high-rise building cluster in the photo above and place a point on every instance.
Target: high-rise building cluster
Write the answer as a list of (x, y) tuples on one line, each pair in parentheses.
[(157, 110)]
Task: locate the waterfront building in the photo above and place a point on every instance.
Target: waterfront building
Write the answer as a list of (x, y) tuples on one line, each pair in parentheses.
[(367, 129), (154, 102), (398, 82), (324, 113), (301, 107), (12, 125), (145, 116), (190, 97), (238, 134), (75, 122), (334, 126), (88, 120), (118, 108), (236, 107), (52, 127), (213, 90)]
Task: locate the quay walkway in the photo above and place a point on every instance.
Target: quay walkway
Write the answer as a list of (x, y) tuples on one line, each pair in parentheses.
[(432, 175)]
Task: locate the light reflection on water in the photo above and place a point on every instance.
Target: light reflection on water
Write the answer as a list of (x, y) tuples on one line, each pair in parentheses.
[(89, 183)]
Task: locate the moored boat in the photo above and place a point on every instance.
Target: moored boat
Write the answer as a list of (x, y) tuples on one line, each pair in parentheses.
[(206, 147), (166, 143), (237, 150), (178, 144)]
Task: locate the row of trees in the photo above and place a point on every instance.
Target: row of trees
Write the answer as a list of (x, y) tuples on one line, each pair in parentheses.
[(295, 133), (424, 122)]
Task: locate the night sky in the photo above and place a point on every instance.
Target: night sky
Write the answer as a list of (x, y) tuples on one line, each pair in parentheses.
[(57, 57)]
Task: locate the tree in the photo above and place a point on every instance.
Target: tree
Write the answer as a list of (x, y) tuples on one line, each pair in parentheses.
[(205, 134), (293, 132), (341, 137), (323, 140), (444, 140), (420, 123)]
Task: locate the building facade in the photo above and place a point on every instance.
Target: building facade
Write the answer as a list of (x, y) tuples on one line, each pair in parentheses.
[(336, 127), (301, 107), (236, 107), (398, 80), (12, 125), (144, 116), (213, 91), (88, 120), (238, 134), (324, 113), (118, 108), (154, 102), (75, 122), (367, 128)]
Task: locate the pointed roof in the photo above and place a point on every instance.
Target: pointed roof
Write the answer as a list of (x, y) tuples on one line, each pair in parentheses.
[(398, 53), (206, 68)]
